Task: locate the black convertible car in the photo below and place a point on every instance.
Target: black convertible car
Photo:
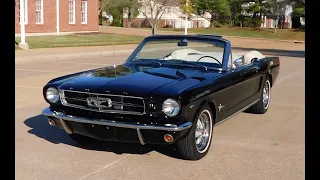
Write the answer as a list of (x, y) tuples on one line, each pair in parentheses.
[(171, 90)]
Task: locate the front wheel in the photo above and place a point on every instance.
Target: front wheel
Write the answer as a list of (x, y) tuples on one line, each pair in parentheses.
[(197, 143), (262, 105)]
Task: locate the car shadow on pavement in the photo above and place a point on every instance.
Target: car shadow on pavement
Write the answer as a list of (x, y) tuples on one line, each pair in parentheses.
[(275, 52), (40, 127)]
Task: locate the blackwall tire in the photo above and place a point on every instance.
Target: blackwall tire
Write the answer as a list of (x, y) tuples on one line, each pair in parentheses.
[(197, 143)]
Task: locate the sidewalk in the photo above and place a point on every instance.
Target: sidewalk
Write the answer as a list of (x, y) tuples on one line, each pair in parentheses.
[(22, 56)]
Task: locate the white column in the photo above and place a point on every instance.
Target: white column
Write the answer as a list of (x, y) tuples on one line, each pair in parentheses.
[(186, 21), (265, 21), (23, 43), (22, 18), (58, 17)]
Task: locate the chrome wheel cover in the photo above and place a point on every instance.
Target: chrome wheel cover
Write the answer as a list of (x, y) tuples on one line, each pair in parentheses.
[(266, 94), (203, 131)]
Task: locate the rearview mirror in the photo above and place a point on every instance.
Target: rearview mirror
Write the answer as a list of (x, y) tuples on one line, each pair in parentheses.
[(238, 62)]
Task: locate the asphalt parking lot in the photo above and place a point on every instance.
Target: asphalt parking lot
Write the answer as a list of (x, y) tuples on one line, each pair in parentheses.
[(246, 147)]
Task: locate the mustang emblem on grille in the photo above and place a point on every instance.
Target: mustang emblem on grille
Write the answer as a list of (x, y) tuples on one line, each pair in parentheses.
[(99, 102)]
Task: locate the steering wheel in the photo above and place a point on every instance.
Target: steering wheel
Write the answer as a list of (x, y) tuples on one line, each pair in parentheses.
[(166, 56), (211, 58)]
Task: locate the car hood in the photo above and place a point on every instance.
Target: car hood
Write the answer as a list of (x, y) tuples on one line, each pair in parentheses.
[(136, 80)]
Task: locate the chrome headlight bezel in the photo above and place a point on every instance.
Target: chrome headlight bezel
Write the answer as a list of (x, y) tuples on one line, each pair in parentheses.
[(171, 107), (52, 95)]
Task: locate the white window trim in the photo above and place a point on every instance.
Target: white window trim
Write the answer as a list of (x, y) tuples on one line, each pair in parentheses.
[(74, 12), (86, 12), (25, 12), (41, 13)]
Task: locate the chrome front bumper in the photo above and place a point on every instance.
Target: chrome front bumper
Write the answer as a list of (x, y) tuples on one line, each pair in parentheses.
[(63, 117)]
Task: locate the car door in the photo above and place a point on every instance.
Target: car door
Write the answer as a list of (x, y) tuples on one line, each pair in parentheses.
[(245, 82), (237, 85)]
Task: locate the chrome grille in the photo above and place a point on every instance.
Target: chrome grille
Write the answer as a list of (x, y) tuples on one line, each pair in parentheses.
[(105, 103)]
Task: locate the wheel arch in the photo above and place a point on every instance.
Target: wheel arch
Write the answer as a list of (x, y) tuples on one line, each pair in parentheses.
[(270, 79), (212, 106)]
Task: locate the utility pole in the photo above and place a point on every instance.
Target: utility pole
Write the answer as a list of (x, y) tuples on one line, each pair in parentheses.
[(186, 21), (23, 43)]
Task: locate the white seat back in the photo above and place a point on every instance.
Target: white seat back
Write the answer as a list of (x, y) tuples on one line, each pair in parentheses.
[(251, 55)]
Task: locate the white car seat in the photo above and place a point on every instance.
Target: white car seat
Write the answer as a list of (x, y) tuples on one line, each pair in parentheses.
[(247, 58)]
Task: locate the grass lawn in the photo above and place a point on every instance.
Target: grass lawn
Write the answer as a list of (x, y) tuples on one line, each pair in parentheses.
[(83, 39), (285, 34)]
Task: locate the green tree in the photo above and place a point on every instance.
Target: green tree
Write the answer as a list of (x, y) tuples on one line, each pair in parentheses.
[(255, 9), (214, 7), (278, 7), (117, 7), (298, 8), (187, 6), (131, 7), (235, 9)]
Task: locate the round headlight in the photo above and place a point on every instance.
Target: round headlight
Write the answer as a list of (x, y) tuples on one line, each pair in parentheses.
[(171, 107), (52, 95)]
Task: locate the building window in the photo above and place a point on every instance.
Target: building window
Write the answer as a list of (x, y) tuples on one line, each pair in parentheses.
[(72, 11), (84, 12), (39, 11), (25, 11)]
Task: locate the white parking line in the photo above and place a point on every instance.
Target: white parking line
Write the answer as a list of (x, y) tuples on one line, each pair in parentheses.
[(68, 71), (106, 166), (293, 85), (290, 75), (290, 105), (72, 62), (30, 87), (36, 70)]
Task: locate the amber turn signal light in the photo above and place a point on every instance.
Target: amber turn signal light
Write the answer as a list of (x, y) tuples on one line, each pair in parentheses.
[(168, 138), (51, 122)]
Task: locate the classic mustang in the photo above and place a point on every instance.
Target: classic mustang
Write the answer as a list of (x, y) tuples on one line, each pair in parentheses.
[(171, 90)]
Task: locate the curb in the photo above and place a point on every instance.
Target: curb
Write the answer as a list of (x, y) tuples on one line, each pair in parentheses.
[(23, 59), (265, 39), (113, 29)]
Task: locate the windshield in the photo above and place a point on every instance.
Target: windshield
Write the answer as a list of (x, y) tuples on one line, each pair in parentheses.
[(187, 51)]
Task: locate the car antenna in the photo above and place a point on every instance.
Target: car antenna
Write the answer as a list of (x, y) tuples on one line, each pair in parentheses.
[(114, 64)]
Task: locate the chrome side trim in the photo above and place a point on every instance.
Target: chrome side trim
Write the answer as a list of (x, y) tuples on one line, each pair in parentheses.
[(241, 110), (60, 115), (140, 137)]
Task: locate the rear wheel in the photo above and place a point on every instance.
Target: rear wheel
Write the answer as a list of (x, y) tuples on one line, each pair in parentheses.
[(197, 143), (262, 105)]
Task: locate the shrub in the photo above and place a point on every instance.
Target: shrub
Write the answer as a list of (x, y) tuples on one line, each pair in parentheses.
[(250, 22), (167, 26), (217, 24)]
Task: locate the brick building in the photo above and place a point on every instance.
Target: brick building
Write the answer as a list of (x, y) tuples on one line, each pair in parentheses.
[(74, 16)]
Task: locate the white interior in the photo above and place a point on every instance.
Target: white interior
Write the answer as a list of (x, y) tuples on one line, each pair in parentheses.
[(184, 54)]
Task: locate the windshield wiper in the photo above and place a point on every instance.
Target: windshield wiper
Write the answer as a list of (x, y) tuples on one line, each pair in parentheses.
[(189, 63)]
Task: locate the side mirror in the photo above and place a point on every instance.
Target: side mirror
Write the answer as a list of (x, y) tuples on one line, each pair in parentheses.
[(183, 42), (238, 62)]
